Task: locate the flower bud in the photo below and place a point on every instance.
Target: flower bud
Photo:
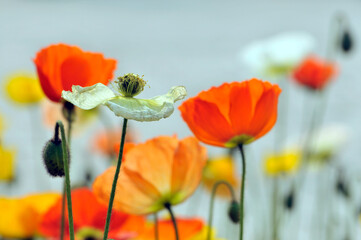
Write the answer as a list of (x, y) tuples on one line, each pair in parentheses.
[(53, 155), (234, 211), (289, 200), (130, 84), (68, 111), (346, 42)]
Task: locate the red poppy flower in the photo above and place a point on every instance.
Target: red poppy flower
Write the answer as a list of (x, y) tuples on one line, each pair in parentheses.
[(89, 219), (233, 113), (187, 228), (314, 73), (61, 66)]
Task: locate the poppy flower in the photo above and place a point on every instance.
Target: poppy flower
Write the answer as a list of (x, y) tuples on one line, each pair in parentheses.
[(107, 141), (7, 163), (60, 66), (277, 55), (163, 170), (284, 162), (124, 105), (24, 88), (52, 112), (187, 228), (233, 113), (218, 169), (20, 217), (89, 219), (314, 73)]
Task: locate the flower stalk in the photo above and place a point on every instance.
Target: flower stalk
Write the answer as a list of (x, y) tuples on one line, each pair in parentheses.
[(169, 208), (240, 146), (67, 179), (210, 218), (114, 185)]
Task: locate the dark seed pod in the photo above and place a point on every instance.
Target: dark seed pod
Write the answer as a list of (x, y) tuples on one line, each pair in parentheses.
[(234, 211), (346, 42), (53, 158), (68, 111), (342, 188), (289, 201)]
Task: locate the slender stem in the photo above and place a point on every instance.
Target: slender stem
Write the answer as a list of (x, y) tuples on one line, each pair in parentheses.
[(210, 218), (169, 208), (67, 179), (240, 146), (68, 135), (62, 223), (114, 185), (156, 230)]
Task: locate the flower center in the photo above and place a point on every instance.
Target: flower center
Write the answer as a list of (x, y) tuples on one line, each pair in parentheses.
[(130, 84), (241, 139)]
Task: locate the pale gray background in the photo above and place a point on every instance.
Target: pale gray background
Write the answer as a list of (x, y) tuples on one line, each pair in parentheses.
[(190, 43)]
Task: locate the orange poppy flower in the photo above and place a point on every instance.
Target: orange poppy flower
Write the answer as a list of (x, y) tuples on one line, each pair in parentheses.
[(187, 228), (163, 170), (314, 73), (89, 219), (107, 141), (61, 66), (233, 113)]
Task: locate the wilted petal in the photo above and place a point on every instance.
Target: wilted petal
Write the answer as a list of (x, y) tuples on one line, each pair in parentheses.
[(88, 97), (147, 109)]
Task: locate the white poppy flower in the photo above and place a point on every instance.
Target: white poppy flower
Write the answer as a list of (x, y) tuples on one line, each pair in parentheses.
[(277, 55), (137, 109)]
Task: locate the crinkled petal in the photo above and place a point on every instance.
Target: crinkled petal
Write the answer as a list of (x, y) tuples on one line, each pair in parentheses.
[(88, 97), (147, 109)]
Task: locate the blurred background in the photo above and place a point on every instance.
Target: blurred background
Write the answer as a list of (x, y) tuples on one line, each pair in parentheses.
[(197, 44)]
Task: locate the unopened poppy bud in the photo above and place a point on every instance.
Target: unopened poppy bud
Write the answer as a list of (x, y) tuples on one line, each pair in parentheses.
[(234, 211), (53, 155), (130, 84), (68, 111), (346, 42), (289, 200)]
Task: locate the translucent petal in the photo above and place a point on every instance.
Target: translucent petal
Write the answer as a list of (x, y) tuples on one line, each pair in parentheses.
[(131, 108), (147, 109), (88, 97)]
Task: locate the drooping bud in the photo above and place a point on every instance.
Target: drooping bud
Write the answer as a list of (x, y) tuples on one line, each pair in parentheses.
[(130, 84), (289, 200), (234, 211), (53, 155), (346, 42), (342, 187), (68, 111)]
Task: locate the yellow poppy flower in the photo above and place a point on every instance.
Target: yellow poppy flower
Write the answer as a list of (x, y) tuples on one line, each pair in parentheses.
[(7, 163), (217, 169), (1, 124), (20, 217), (24, 88), (282, 163), (202, 235)]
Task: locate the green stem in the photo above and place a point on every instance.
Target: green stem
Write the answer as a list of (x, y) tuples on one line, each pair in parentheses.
[(168, 207), (114, 185), (210, 218), (62, 224), (240, 146), (67, 179), (156, 230)]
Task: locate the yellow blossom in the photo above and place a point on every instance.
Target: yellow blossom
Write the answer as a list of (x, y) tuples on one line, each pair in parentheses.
[(202, 235), (217, 169), (7, 163), (24, 88), (20, 217), (282, 163)]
